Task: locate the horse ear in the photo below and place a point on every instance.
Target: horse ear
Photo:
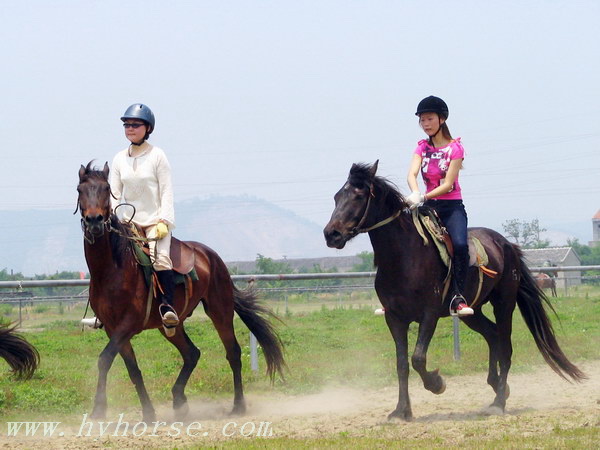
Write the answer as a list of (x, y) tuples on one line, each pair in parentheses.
[(105, 170), (373, 169), (81, 172)]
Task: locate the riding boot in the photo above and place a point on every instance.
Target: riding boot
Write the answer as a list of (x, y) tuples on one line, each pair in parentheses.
[(166, 279), (460, 266)]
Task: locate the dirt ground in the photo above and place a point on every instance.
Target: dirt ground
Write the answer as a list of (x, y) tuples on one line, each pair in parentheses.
[(539, 402)]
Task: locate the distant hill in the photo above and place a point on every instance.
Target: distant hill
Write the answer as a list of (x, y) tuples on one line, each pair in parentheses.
[(238, 228)]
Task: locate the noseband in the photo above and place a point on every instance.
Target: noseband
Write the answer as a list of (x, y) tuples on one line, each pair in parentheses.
[(91, 237)]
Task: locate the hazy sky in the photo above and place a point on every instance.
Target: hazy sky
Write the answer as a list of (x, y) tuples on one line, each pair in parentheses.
[(276, 99)]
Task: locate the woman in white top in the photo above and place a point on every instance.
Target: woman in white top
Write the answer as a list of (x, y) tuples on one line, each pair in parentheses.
[(141, 176)]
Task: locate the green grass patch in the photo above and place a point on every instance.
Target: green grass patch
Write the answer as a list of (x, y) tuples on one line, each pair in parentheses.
[(328, 345)]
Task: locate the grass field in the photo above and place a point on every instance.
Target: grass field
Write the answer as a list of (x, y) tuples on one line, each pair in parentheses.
[(328, 343)]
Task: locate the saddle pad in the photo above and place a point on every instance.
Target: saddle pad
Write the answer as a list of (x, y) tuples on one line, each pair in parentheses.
[(143, 259), (477, 254)]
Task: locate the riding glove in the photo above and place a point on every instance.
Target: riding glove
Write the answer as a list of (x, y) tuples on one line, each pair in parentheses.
[(161, 230), (415, 199)]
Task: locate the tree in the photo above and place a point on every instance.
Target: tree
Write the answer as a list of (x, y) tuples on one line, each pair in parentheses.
[(266, 265), (526, 234), (366, 264)]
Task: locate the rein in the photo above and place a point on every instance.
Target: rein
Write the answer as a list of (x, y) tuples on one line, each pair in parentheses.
[(358, 228)]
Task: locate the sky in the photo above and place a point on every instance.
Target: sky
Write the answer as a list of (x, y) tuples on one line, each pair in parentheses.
[(277, 99)]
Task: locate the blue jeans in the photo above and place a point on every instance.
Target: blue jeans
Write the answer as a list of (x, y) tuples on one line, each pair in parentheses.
[(454, 217)]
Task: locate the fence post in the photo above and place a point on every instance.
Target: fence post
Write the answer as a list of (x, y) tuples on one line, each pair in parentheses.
[(455, 326), (253, 353), (20, 308)]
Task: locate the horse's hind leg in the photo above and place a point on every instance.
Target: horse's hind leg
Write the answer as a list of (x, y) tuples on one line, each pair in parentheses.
[(135, 375), (431, 380), (190, 354), (220, 311), (481, 324), (503, 313)]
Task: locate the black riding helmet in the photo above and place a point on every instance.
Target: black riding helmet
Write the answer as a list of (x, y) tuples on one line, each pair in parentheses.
[(433, 104), (141, 112)]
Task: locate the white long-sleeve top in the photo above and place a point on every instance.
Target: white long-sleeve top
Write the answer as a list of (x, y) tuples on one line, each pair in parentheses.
[(145, 182)]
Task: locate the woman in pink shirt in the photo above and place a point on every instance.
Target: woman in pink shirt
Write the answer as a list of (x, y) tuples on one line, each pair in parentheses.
[(439, 158)]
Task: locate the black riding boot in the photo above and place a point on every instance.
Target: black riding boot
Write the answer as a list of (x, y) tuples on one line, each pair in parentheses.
[(166, 279), (460, 266)]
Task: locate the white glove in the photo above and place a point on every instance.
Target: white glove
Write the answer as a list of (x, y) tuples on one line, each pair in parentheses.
[(415, 199), (161, 230)]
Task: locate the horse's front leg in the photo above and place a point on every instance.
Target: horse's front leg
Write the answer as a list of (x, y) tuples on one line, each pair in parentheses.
[(399, 330), (431, 380), (135, 375), (105, 360)]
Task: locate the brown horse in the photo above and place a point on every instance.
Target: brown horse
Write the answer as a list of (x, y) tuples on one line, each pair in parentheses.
[(410, 279), (21, 356), (118, 296), (545, 281)]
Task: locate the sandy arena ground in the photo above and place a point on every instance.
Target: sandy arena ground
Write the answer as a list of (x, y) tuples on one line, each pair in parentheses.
[(539, 402)]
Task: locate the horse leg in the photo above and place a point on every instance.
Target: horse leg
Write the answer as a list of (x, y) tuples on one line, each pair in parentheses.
[(399, 330), (481, 324), (190, 354), (432, 381), (503, 315), (105, 360), (135, 375), (222, 319)]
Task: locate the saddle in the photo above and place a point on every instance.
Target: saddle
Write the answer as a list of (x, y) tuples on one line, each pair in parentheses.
[(427, 219), (183, 259)]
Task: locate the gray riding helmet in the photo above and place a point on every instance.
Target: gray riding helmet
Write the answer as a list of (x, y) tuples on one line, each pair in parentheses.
[(141, 112)]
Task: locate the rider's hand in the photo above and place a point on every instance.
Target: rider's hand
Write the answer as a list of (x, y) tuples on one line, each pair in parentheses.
[(415, 199), (161, 230)]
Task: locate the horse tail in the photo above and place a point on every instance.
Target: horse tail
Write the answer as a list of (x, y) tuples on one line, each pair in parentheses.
[(21, 356), (255, 315), (532, 302)]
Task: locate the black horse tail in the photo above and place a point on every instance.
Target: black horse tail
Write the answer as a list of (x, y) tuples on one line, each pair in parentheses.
[(531, 300), (21, 356), (255, 315)]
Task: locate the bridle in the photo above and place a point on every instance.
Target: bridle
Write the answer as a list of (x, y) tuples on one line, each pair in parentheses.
[(359, 227), (108, 227)]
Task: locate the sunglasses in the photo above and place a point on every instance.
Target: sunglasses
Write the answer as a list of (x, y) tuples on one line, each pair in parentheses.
[(132, 125)]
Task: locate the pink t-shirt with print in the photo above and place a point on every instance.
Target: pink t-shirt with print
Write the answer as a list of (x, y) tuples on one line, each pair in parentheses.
[(435, 164)]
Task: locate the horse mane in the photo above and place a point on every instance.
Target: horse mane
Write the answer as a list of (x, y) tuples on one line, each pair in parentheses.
[(361, 175), (92, 173)]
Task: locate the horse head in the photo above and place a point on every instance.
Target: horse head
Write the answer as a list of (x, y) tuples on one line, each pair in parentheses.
[(352, 203), (94, 199), (365, 202)]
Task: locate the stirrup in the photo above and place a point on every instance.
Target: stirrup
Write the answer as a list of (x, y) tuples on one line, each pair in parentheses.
[(92, 322), (168, 315), (462, 308)]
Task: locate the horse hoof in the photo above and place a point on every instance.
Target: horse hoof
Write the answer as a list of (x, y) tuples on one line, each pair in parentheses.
[(98, 414), (181, 412), (493, 410), (441, 389), (238, 410), (398, 415), (149, 417)]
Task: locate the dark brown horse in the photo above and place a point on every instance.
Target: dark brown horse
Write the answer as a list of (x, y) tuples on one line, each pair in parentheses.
[(409, 284), (21, 356), (545, 281), (118, 296)]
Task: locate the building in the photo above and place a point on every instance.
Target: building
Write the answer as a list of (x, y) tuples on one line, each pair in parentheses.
[(556, 257), (595, 230)]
